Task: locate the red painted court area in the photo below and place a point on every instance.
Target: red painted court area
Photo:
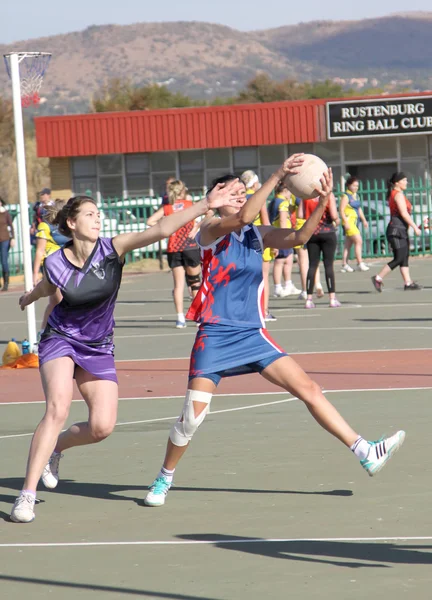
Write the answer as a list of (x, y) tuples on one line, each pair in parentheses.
[(168, 377)]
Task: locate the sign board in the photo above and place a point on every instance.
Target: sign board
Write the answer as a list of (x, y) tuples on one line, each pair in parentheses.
[(385, 116)]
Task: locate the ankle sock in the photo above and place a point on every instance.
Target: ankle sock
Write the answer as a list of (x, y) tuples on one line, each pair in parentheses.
[(361, 448), (169, 475)]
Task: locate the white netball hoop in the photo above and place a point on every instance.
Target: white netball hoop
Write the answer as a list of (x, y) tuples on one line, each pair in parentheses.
[(26, 71), (32, 67)]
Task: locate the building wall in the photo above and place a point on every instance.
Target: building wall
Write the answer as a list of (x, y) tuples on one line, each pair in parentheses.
[(61, 180)]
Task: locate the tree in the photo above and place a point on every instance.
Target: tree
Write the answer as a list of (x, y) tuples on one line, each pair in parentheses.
[(121, 95)]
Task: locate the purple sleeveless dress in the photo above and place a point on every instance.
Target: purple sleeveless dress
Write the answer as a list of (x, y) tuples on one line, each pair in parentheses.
[(82, 325)]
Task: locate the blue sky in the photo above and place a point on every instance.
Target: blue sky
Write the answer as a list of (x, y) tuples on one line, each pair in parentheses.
[(28, 19)]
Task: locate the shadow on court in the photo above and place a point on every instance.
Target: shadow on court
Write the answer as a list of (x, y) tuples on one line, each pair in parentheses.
[(108, 491), (364, 554), (101, 588)]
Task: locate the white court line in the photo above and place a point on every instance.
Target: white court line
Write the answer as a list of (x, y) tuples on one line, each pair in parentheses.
[(226, 410), (291, 354), (275, 308), (292, 329), (219, 542)]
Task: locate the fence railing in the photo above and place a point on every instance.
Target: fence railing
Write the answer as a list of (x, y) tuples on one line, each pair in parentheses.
[(125, 215)]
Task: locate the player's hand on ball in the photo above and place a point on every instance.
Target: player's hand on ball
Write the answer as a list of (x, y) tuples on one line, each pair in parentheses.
[(291, 165), (326, 182)]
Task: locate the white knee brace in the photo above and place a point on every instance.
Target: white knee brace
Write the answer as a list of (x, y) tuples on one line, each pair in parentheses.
[(183, 429)]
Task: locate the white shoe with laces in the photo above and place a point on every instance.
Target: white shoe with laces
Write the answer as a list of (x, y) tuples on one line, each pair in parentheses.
[(347, 269), (362, 267), (381, 451), (292, 290), (23, 508), (50, 475)]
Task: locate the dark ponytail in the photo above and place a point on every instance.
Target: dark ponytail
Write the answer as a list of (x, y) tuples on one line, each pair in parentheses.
[(59, 212), (398, 176)]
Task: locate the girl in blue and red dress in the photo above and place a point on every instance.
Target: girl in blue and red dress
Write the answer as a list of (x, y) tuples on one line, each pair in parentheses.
[(397, 232), (232, 339)]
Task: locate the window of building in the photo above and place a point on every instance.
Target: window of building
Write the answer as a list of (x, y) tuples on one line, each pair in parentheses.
[(218, 163), (192, 170), (84, 176), (245, 159), (271, 155), (163, 166), (356, 150), (137, 174), (413, 145), (329, 152), (383, 148), (306, 148), (110, 171)]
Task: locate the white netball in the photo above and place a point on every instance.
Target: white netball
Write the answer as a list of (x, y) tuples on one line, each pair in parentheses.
[(303, 184)]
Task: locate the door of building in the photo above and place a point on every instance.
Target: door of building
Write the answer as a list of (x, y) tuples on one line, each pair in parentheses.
[(372, 171)]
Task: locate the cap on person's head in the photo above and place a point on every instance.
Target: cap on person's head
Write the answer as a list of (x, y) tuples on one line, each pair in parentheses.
[(249, 178), (45, 191)]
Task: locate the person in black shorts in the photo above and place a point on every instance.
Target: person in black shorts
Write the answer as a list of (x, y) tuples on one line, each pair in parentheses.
[(183, 253)]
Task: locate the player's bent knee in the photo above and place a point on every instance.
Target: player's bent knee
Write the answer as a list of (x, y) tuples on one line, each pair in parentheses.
[(183, 429), (101, 431)]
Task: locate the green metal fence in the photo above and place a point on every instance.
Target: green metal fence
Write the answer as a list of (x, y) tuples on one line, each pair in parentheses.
[(125, 215)]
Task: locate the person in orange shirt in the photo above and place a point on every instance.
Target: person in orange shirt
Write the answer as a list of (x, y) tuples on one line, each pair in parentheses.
[(397, 232)]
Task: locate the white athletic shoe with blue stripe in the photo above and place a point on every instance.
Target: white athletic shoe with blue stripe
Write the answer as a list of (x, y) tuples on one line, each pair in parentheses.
[(381, 451), (158, 491)]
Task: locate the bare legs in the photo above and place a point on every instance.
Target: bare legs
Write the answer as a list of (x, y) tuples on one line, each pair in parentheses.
[(57, 381), (286, 373)]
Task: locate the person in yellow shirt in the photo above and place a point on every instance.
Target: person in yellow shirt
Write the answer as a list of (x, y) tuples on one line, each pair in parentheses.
[(48, 240), (252, 183), (351, 212), (279, 210)]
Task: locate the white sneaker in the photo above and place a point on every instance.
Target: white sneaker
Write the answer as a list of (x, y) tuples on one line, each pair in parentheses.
[(23, 509), (362, 267), (282, 293), (381, 451), (50, 475), (158, 492), (302, 296), (347, 269), (180, 324), (292, 289)]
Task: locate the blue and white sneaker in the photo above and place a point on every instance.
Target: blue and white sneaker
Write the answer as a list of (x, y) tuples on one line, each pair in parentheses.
[(180, 324), (158, 491), (381, 451)]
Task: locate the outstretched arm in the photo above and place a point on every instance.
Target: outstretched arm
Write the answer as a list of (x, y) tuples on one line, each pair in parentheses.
[(44, 288), (212, 229), (221, 195), (273, 237)]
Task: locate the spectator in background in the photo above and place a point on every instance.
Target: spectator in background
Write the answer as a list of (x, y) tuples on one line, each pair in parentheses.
[(183, 253), (279, 211), (252, 183), (7, 241), (397, 232), (44, 200), (350, 212), (165, 199), (48, 240), (323, 241)]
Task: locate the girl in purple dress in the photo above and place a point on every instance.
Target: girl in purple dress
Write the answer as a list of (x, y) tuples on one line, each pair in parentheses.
[(77, 342)]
